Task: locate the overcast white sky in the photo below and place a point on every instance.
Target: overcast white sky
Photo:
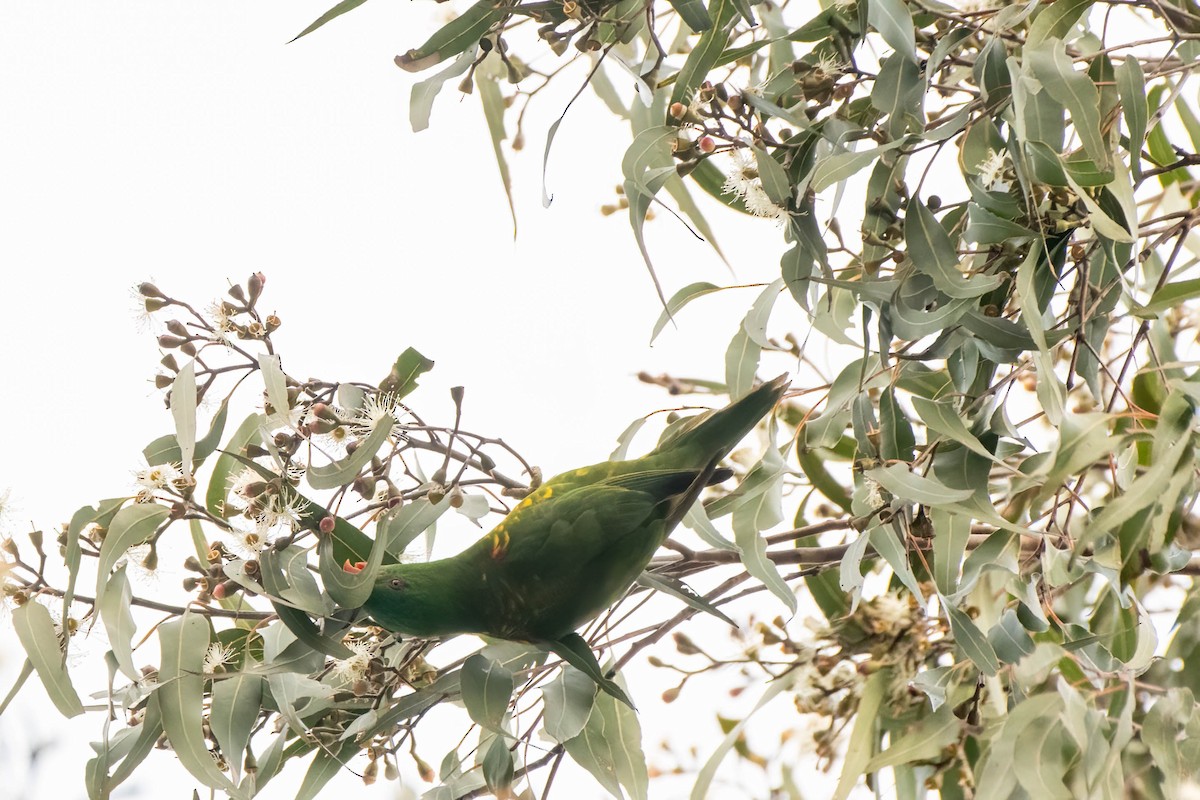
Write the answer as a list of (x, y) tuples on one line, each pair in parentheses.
[(190, 144)]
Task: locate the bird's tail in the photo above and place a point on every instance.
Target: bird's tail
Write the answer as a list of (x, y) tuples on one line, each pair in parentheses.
[(714, 433)]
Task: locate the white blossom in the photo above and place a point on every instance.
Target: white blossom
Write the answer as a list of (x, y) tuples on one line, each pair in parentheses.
[(153, 479), (354, 668), (992, 171), (281, 511), (249, 544), (888, 613), (743, 175), (760, 205), (216, 657), (744, 182), (221, 320), (375, 407)]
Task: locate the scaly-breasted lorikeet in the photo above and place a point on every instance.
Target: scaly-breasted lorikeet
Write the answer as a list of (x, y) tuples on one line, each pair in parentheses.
[(572, 547)]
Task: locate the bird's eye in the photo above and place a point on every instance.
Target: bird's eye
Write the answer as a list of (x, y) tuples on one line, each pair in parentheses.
[(397, 583)]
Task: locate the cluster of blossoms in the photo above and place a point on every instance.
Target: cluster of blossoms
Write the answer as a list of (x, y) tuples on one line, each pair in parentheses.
[(719, 121), (824, 686)]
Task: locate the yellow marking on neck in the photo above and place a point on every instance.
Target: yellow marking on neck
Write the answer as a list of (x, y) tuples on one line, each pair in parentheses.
[(547, 492), (500, 541)]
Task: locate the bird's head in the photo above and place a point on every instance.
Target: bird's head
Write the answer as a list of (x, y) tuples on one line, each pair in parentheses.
[(417, 599)]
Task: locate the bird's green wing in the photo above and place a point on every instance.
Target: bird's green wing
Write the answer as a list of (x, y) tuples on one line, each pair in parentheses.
[(586, 521)]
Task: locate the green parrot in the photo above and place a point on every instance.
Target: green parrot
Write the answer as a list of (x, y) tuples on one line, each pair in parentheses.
[(571, 548)]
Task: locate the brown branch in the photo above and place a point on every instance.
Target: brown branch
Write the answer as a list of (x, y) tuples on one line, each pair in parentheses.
[(196, 608)]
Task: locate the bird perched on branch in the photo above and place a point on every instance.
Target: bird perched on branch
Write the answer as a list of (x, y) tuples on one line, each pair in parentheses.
[(572, 547)]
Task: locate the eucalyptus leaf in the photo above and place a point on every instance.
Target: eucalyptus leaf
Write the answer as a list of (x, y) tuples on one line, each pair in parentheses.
[(971, 640), (331, 14), (454, 37), (677, 588), (132, 525), (117, 616), (678, 300), (894, 22), (184, 642), (340, 473), (704, 779), (568, 701), (610, 748), (235, 706), (183, 410), (862, 743), (36, 632), (420, 99), (487, 688)]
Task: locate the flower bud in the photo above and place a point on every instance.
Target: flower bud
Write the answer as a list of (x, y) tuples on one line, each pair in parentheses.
[(150, 562), (365, 486), (326, 525), (685, 645), (371, 773), (671, 695), (255, 286), (178, 328), (188, 348), (424, 770), (169, 362), (706, 145), (677, 110), (168, 342), (150, 290), (192, 564), (389, 769), (152, 304)]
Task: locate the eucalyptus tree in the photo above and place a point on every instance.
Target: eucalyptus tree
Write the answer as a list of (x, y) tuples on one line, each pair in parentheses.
[(990, 505)]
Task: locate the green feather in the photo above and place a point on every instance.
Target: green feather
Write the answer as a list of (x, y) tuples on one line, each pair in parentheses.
[(572, 548)]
